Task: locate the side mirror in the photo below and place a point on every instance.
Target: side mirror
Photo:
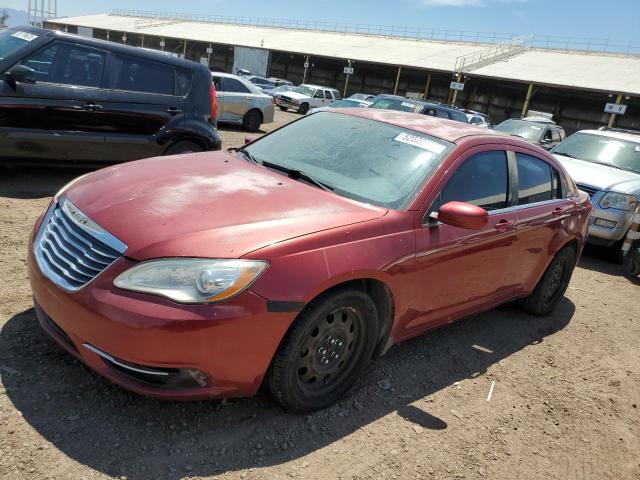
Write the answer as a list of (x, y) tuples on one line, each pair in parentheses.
[(251, 138), (21, 74), (464, 215)]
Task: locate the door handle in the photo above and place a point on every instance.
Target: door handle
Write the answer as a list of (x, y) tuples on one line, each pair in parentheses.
[(173, 111), (505, 225), (92, 106), (558, 212)]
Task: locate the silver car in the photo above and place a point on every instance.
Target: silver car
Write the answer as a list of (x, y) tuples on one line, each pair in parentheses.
[(241, 102), (606, 165)]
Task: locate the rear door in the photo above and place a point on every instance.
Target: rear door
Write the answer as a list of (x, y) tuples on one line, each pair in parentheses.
[(461, 270), (542, 213), (236, 99), (56, 117), (144, 102)]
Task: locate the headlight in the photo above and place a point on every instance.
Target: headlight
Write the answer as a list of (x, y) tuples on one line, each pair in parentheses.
[(191, 280), (619, 201)]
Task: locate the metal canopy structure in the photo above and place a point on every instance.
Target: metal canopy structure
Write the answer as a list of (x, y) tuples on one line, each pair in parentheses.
[(41, 10), (598, 72)]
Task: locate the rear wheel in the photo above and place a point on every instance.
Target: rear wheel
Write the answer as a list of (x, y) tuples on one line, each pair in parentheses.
[(325, 351), (552, 285), (631, 264), (183, 147), (252, 121), (304, 108)]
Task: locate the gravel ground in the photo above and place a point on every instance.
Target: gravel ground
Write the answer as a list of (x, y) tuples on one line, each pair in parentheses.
[(564, 403)]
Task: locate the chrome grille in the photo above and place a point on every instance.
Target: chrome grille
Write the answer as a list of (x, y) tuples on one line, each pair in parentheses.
[(71, 250), (588, 190)]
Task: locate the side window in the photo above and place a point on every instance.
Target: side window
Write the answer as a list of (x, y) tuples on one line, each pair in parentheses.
[(547, 135), (184, 79), (555, 135), (136, 75), (318, 94), (217, 83), (42, 62), (481, 180), (475, 120), (537, 180), (327, 94), (430, 111), (442, 113), (234, 86)]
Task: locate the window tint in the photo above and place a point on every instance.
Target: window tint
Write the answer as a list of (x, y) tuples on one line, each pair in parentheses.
[(535, 179), (137, 75), (481, 180), (184, 79), (442, 113), (327, 94), (68, 65), (42, 63), (234, 86)]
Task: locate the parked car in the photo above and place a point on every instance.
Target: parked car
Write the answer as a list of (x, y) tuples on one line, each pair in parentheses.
[(476, 118), (544, 133), (417, 106), (344, 103), (292, 261), (304, 97), (69, 98), (278, 82), (261, 82), (365, 97), (606, 165), (241, 102), (275, 91)]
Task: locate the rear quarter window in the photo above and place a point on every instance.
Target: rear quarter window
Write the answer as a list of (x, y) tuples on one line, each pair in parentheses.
[(137, 75), (537, 180)]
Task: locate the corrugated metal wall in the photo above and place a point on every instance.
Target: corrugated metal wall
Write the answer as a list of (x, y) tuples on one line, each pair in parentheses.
[(256, 60)]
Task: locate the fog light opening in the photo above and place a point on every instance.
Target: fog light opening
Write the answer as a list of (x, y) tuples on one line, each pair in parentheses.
[(601, 222)]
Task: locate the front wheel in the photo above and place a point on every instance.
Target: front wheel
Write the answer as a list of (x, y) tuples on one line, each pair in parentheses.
[(552, 285), (304, 108), (325, 351), (183, 147), (631, 264)]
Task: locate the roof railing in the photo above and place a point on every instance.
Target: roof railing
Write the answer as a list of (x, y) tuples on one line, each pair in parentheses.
[(492, 54), (542, 42)]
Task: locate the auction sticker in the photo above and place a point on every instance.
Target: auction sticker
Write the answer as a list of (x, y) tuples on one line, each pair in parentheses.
[(24, 36), (420, 142)]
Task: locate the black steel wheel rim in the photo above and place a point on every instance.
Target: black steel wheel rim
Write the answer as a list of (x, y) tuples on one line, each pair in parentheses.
[(553, 286), (330, 350)]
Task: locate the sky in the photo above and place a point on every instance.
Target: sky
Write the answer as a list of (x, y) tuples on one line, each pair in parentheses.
[(615, 19)]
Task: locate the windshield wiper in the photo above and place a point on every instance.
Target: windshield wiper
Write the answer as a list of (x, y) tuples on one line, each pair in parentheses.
[(299, 175), (246, 155)]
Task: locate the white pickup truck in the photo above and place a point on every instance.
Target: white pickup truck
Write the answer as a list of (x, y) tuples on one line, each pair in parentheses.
[(304, 97)]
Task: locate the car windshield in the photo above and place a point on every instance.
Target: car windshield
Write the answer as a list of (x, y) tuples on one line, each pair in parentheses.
[(283, 88), (400, 104), (619, 153), (360, 96), (520, 128), (358, 158), (305, 90), (13, 40), (346, 104)]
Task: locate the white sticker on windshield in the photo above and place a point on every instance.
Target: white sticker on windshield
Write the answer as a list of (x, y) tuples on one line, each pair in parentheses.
[(409, 105), (638, 148), (420, 142), (24, 36)]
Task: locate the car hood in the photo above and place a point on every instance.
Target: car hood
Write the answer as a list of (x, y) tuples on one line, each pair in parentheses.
[(602, 177), (212, 205), (295, 95)]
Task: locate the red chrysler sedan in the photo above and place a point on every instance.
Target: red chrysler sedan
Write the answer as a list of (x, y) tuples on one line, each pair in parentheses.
[(297, 258)]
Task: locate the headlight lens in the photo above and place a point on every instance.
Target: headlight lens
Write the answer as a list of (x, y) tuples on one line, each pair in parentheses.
[(619, 201), (191, 280)]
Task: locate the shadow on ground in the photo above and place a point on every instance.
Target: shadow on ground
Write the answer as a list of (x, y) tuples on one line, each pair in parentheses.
[(118, 433), (26, 182)]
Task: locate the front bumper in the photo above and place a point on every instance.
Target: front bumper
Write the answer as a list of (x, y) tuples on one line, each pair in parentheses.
[(232, 343), (281, 102), (608, 226)]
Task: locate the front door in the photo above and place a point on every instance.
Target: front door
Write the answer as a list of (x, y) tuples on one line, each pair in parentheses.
[(55, 118), (460, 270)]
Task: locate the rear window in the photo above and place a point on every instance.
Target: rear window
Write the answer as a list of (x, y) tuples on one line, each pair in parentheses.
[(397, 104), (234, 86), (537, 180), (136, 75), (184, 81)]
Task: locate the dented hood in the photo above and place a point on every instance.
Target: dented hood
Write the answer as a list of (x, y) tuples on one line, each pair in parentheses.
[(212, 205)]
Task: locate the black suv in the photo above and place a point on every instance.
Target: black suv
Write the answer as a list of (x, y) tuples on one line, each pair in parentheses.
[(394, 102), (69, 98)]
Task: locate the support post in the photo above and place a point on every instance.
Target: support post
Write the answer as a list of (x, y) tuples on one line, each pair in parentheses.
[(209, 56), (142, 41), (612, 117), (306, 67), (426, 87), (184, 50), (455, 92), (527, 100), (395, 88), (346, 82)]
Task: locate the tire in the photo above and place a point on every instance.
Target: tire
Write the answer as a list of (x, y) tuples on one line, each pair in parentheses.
[(183, 147), (551, 287), (252, 121), (631, 265), (304, 108), (284, 109), (325, 351), (614, 252)]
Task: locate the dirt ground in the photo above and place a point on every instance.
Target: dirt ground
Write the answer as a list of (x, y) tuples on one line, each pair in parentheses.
[(564, 404)]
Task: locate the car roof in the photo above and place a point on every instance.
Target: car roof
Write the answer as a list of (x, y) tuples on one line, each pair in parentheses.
[(611, 134), (311, 85), (449, 130)]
